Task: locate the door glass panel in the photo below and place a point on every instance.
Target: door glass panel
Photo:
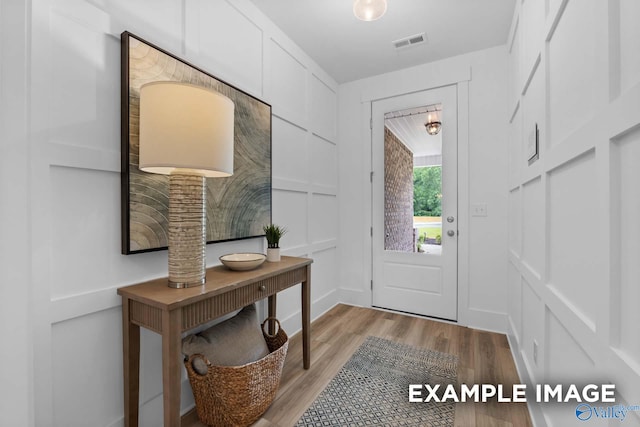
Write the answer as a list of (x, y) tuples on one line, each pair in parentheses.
[(413, 180)]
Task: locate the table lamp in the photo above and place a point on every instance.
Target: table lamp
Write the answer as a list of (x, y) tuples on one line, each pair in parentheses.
[(186, 132)]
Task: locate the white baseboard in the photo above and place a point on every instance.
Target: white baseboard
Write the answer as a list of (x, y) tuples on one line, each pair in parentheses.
[(537, 417), (356, 297), (486, 320)]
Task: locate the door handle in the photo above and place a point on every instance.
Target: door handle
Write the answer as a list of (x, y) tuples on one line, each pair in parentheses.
[(451, 233)]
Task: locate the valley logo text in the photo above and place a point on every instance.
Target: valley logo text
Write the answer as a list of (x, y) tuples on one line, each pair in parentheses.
[(584, 411), (590, 393)]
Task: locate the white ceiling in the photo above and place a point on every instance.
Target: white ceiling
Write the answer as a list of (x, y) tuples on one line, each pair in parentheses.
[(349, 49)]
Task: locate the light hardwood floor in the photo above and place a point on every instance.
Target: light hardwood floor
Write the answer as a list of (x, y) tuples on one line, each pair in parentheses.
[(484, 357)]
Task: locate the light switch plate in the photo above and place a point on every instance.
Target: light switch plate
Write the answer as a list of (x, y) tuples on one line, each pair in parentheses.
[(479, 209)]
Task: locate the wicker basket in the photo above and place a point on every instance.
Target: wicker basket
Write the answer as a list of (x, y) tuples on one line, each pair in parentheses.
[(238, 395)]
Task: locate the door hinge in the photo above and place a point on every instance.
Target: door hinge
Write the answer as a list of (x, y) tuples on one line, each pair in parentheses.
[(371, 284), (371, 177), (371, 123), (371, 231)]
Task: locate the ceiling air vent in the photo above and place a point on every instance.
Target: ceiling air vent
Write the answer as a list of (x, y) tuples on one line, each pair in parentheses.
[(410, 41)]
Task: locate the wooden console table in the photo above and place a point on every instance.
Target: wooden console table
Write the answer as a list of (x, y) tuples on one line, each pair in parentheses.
[(170, 312)]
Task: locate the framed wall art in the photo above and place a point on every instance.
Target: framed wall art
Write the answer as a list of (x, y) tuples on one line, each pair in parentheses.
[(238, 206)]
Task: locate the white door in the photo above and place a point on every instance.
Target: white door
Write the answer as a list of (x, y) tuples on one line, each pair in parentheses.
[(415, 254)]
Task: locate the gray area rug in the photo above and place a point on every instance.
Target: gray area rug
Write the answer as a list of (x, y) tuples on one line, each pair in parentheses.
[(372, 388)]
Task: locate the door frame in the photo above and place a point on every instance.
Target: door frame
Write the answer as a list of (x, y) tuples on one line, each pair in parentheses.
[(461, 82), (422, 296)]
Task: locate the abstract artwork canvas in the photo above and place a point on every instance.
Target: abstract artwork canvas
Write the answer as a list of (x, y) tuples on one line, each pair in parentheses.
[(238, 206)]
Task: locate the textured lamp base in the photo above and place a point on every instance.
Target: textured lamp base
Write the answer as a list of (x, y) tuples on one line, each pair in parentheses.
[(187, 233)]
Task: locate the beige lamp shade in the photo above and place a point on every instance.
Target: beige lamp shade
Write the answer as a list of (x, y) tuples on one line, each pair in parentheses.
[(184, 126)]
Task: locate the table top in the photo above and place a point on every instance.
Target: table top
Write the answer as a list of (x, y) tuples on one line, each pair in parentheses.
[(220, 279)]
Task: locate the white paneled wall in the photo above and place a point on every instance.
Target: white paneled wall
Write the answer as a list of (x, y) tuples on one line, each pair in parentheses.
[(225, 42), (16, 329), (627, 34), (572, 218), (573, 214), (625, 248), (532, 227), (73, 190), (571, 60), (290, 89)]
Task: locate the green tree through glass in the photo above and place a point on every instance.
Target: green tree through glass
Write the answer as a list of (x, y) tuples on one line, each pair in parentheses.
[(427, 191)]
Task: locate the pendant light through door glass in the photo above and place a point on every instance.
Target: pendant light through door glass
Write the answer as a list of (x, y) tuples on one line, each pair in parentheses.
[(433, 123)]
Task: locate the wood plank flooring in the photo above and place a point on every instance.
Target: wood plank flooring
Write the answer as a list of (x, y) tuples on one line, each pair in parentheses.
[(484, 357)]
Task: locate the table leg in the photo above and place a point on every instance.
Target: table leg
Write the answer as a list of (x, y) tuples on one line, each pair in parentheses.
[(306, 320), (131, 366), (171, 360), (272, 312)]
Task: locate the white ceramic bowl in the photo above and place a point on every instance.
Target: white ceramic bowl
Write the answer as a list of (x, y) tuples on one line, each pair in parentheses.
[(243, 261)]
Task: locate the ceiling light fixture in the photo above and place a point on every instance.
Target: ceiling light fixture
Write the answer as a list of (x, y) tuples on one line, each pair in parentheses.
[(369, 10), (433, 124)]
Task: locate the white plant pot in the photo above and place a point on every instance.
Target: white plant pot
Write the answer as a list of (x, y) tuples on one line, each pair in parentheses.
[(273, 254)]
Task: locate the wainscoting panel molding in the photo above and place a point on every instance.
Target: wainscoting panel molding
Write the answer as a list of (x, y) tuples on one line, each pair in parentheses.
[(532, 37), (625, 253), (90, 370), (533, 227), (515, 222), (516, 150), (515, 79), (289, 87), (571, 101), (584, 204), (322, 98), (571, 213), (208, 29), (290, 208), (290, 141), (326, 224), (628, 35), (532, 329), (514, 293), (324, 164)]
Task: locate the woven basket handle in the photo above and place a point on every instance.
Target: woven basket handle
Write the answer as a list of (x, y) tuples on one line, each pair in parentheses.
[(198, 356), (275, 331)]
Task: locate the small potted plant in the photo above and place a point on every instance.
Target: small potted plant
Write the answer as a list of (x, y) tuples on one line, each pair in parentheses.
[(273, 233)]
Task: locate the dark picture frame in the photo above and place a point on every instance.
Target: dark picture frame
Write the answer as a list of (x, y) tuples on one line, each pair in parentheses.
[(238, 206)]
